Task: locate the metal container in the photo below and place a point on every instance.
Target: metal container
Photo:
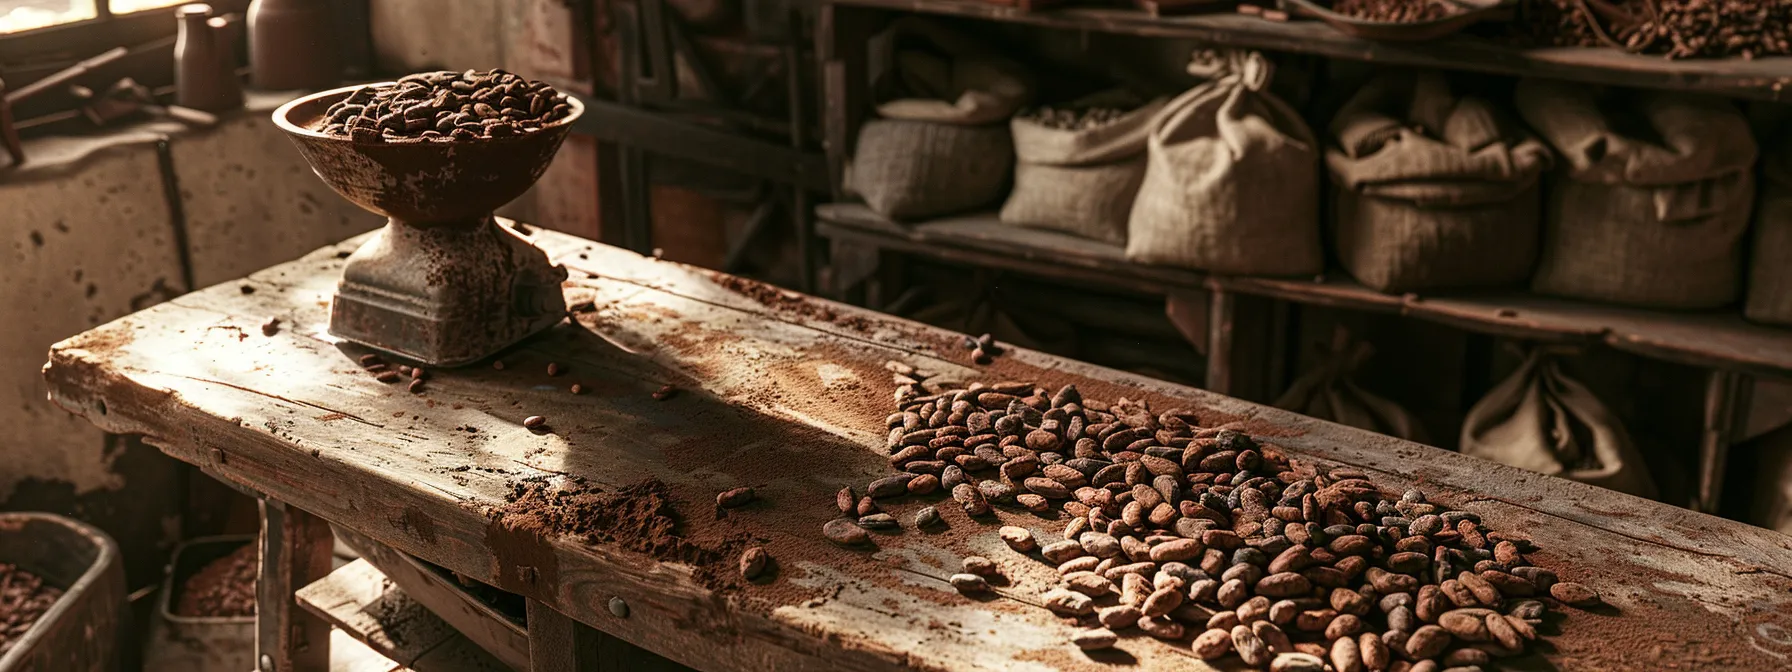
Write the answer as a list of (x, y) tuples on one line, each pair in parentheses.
[(80, 632), (198, 643)]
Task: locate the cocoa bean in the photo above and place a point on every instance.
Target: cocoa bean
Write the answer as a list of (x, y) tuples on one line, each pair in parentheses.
[(927, 517), (1296, 662), (1162, 601), (969, 584), (879, 521), (752, 563), (972, 500), (735, 498), (1427, 642), (1575, 595), (1161, 627), (1062, 551), (845, 532), (1345, 656), (889, 486), (1068, 603), (1374, 651), (1089, 583), (1213, 644), (1019, 538), (1094, 639), (1286, 584), (846, 500), (1468, 625), (1249, 647), (1086, 563)]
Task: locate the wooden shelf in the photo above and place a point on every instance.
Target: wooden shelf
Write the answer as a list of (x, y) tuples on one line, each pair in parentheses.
[(1762, 78), (1712, 339), (360, 601)]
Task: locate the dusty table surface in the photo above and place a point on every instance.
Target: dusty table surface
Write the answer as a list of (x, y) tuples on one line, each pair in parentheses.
[(789, 394)]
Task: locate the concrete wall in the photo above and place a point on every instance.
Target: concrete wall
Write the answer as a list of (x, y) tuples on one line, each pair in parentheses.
[(87, 235)]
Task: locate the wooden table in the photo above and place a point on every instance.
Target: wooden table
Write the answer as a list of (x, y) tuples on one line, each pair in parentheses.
[(787, 394)]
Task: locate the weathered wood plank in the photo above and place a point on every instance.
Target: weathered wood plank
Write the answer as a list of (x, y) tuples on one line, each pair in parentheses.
[(786, 394), (479, 623), (1716, 339), (358, 599)]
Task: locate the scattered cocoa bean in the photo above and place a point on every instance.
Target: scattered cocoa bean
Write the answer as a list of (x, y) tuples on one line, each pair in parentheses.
[(752, 563)]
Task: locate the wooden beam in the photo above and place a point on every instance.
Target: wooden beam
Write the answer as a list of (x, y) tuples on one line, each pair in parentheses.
[(359, 600), (670, 136), (295, 551)]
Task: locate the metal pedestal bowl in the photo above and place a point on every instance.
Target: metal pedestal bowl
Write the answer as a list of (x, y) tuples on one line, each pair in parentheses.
[(442, 283)]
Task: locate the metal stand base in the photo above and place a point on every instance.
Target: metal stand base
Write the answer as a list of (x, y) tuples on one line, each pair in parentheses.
[(446, 294)]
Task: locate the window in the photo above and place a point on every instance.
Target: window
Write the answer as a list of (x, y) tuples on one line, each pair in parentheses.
[(22, 15)]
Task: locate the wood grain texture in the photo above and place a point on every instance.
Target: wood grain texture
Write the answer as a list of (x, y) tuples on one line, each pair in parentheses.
[(787, 394)]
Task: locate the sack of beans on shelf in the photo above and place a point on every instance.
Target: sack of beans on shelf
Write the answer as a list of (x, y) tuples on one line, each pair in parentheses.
[(1770, 275), (1434, 190), (1328, 393), (1654, 198), (1231, 179), (1078, 166), (941, 144), (1542, 420)]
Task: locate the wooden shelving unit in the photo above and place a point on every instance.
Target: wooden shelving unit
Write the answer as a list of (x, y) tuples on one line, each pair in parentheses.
[(1731, 349)]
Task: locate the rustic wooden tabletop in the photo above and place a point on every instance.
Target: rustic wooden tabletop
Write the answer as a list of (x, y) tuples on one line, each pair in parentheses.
[(787, 394)]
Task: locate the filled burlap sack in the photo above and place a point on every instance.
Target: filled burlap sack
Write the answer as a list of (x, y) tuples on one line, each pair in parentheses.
[(941, 145), (1080, 180), (1542, 420), (1653, 200), (1769, 297), (909, 170), (1328, 393), (1231, 179), (1434, 190)]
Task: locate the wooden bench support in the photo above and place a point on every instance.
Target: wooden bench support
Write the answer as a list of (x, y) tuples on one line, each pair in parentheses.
[(295, 551)]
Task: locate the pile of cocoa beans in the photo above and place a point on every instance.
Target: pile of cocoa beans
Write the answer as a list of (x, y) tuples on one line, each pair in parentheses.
[(1395, 11), (446, 106), (1672, 28), (1176, 528)]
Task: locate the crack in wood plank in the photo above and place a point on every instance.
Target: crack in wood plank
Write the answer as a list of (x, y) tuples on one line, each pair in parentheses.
[(271, 395)]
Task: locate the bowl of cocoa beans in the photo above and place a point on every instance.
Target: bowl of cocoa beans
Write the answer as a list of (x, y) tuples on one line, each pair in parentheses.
[(432, 147), (1402, 20)]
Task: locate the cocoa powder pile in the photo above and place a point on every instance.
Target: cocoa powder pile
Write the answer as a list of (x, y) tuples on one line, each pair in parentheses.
[(223, 588), (640, 517), (1178, 529), (1394, 11), (24, 598)]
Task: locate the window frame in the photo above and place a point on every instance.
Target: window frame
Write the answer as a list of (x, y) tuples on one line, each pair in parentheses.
[(82, 39)]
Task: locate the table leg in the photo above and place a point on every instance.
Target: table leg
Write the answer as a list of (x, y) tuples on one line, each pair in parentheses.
[(295, 550), (559, 644), (1221, 309), (1726, 407)]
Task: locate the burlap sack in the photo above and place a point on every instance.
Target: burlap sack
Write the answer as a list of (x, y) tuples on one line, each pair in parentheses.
[(908, 170), (1652, 204), (1435, 190), (1770, 271), (940, 147), (1232, 178), (1544, 421), (1080, 181), (1328, 393)]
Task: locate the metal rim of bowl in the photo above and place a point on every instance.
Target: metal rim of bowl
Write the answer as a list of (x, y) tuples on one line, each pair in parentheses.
[(283, 113)]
